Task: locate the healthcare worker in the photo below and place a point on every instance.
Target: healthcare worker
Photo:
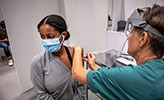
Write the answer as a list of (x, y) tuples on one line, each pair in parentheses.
[(145, 31)]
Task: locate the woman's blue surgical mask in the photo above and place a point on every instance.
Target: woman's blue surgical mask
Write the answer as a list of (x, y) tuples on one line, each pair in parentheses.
[(52, 45)]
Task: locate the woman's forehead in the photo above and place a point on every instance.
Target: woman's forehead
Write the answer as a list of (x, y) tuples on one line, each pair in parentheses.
[(46, 27)]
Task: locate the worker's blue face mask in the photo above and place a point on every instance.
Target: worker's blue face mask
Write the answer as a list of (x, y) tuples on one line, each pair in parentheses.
[(53, 45)]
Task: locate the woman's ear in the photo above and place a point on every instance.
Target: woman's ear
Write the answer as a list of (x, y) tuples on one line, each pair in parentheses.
[(143, 38), (64, 33)]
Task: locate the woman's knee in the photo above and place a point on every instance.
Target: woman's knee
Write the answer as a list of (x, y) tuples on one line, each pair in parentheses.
[(3, 45)]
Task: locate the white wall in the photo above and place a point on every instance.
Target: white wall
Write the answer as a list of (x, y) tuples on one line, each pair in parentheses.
[(131, 5), (22, 17), (118, 13), (87, 22), (1, 16), (110, 7), (123, 8)]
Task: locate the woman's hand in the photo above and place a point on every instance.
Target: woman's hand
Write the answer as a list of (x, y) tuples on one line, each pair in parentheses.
[(78, 49), (78, 71)]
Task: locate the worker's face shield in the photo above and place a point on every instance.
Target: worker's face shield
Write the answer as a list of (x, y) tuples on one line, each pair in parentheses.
[(128, 29), (136, 20)]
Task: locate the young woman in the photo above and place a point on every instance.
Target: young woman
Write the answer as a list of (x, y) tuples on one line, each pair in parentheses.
[(51, 70)]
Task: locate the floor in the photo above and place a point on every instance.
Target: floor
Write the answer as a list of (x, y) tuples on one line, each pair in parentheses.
[(10, 88)]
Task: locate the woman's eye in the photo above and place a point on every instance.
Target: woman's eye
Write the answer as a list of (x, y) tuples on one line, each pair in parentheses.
[(50, 37), (42, 37)]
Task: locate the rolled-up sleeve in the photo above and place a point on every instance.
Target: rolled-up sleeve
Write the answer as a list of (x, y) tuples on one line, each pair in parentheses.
[(96, 79), (90, 77)]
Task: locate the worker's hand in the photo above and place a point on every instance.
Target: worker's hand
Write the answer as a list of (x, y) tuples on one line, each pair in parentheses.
[(91, 61)]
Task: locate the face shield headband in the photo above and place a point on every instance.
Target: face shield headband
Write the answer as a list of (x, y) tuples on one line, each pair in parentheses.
[(136, 19)]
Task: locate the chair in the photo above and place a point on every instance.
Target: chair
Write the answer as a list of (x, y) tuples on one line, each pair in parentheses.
[(121, 25), (2, 54)]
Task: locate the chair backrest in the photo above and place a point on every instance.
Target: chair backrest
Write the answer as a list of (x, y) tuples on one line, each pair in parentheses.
[(121, 25)]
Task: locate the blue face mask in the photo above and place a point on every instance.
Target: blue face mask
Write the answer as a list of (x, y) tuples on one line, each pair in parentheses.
[(52, 45)]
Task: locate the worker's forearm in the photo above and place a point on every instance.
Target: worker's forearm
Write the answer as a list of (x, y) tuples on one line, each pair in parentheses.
[(78, 71), (93, 67)]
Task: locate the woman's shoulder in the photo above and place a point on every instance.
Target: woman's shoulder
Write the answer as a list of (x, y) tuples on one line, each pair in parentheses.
[(38, 59), (71, 49), (38, 56)]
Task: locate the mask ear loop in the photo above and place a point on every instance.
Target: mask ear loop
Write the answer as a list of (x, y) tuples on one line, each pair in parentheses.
[(62, 37), (62, 40)]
